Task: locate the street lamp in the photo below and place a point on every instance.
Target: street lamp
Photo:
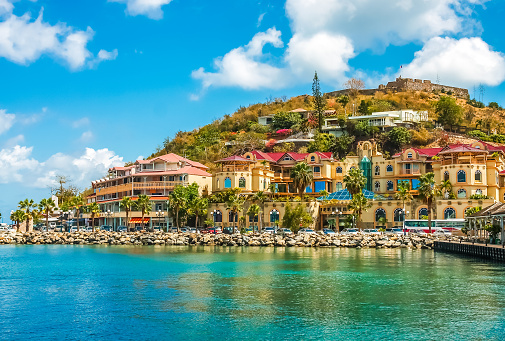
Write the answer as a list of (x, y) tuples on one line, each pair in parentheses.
[(404, 216), (160, 214)]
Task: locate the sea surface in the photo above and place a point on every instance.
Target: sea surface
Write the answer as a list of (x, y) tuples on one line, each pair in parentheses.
[(60, 292)]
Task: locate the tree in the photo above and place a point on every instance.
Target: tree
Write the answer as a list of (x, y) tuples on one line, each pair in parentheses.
[(93, 209), (448, 111), (18, 216), (301, 174), (397, 137), (78, 204), (355, 181), (404, 194), (445, 189), (177, 201), (126, 204), (343, 100), (354, 85), (28, 206), (296, 218), (199, 207), (261, 198), (143, 204), (324, 193), (318, 101), (342, 146), (427, 192), (285, 120), (359, 204), (322, 143), (235, 204), (254, 210), (47, 207), (364, 107), (64, 192)]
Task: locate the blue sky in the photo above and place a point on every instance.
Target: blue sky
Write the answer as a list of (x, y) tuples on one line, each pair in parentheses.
[(87, 84)]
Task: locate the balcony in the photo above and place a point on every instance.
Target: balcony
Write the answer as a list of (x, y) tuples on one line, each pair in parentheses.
[(158, 184), (316, 174), (410, 172)]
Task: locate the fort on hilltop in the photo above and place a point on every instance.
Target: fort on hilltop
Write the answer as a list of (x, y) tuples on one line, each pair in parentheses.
[(409, 84)]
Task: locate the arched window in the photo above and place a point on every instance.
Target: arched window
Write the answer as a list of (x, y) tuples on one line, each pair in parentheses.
[(409, 155), (248, 157), (478, 176), (227, 183), (218, 216), (312, 159), (377, 186), (478, 192), (241, 182), (231, 216), (379, 213), (461, 176), (389, 168), (462, 193), (423, 212), (339, 170), (377, 170), (390, 186), (449, 213), (274, 216), (446, 175), (339, 186), (398, 214)]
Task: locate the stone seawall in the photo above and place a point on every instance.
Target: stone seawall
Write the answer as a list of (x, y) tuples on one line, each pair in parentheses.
[(162, 238)]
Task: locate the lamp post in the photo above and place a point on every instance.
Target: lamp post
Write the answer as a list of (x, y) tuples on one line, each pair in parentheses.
[(404, 216), (108, 214), (160, 214)]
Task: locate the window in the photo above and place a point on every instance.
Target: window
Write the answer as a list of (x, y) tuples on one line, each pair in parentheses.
[(377, 186), (286, 158), (232, 215), (319, 186), (312, 159), (308, 189), (227, 183), (390, 186), (339, 170), (389, 168), (449, 213), (478, 192), (377, 170), (339, 186), (478, 176), (461, 176), (380, 213), (423, 212), (446, 176), (461, 193), (317, 169), (409, 155), (398, 214), (274, 216), (218, 217), (241, 182), (248, 157)]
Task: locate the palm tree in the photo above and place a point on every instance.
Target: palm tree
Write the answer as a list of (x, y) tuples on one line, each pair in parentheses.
[(359, 204), (78, 204), (177, 201), (143, 204), (235, 205), (47, 207), (404, 194), (126, 204), (18, 216), (324, 193), (198, 208), (444, 189), (27, 206), (301, 174), (427, 192), (94, 209), (260, 197), (272, 189), (355, 181), (254, 210)]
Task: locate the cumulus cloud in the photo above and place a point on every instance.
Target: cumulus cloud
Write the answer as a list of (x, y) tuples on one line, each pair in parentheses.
[(5, 7), (18, 166), (105, 55), (149, 8), (6, 120), (462, 62), (244, 66)]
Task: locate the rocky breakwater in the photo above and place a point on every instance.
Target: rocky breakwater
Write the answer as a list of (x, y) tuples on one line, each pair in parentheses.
[(162, 238)]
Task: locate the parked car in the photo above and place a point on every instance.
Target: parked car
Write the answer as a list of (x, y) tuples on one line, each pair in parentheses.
[(106, 228), (268, 230), (442, 233), (397, 231), (349, 231), (122, 228), (371, 231), (306, 231), (218, 229), (228, 230), (249, 230), (328, 231), (88, 229), (52, 224), (184, 229), (73, 229), (418, 232), (284, 231)]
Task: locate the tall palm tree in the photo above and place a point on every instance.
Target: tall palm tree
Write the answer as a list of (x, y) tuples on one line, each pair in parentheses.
[(427, 192), (254, 210), (234, 204), (126, 204), (144, 205), (444, 189), (404, 194), (177, 201), (260, 197), (199, 207), (302, 176), (78, 205), (272, 189), (355, 181), (28, 206), (47, 207), (94, 209), (18, 216), (359, 204)]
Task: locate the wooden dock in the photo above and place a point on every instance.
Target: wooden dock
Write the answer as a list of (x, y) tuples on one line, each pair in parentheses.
[(494, 252)]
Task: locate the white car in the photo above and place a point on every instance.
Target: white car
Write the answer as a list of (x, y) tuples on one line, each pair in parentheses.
[(306, 231), (268, 230), (442, 233), (371, 231), (349, 231)]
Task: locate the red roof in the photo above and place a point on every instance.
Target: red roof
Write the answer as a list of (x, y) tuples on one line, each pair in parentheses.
[(275, 157), (262, 155), (235, 158), (461, 149), (502, 172)]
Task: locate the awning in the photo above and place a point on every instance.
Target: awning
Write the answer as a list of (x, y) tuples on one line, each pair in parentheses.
[(138, 220)]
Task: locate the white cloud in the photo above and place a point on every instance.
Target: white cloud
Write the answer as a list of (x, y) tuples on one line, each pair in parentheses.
[(149, 8), (80, 122), (463, 62), (6, 121), (16, 140), (260, 19), (105, 55), (244, 67), (14, 162), (6, 7), (87, 136)]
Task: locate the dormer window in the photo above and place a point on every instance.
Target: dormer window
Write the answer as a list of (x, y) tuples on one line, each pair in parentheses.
[(312, 159), (248, 157), (409, 155), (286, 158)]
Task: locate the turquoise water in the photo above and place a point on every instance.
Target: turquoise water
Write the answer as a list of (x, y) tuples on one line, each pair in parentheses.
[(200, 293)]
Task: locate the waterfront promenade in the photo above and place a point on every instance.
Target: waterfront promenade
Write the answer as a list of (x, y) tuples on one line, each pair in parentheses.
[(489, 251)]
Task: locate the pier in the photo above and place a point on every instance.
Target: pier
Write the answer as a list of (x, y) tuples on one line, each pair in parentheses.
[(494, 252)]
